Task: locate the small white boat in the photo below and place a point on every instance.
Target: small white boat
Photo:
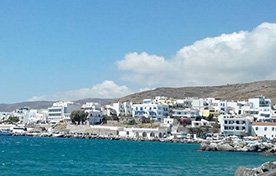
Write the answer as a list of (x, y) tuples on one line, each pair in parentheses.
[(57, 135), (5, 132)]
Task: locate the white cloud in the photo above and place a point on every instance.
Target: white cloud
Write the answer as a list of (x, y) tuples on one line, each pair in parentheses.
[(107, 89), (229, 58)]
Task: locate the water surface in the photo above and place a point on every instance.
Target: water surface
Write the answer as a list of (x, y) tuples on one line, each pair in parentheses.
[(57, 156)]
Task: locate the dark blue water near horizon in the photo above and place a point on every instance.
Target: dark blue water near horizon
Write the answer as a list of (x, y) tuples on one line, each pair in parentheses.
[(75, 157)]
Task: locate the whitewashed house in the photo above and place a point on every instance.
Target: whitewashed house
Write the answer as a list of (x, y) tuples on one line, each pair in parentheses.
[(95, 117), (191, 114), (235, 125), (150, 109), (261, 105), (264, 129), (119, 108), (62, 111), (202, 123), (148, 133), (91, 106)]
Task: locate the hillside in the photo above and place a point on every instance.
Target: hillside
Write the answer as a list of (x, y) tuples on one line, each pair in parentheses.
[(46, 104), (228, 92)]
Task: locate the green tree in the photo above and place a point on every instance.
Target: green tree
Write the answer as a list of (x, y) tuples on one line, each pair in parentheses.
[(78, 117), (132, 122), (13, 119)]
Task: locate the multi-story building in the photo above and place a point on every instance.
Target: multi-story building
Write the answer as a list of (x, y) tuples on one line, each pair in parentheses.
[(150, 109), (119, 108), (192, 114), (62, 111), (235, 125), (95, 117), (91, 106)]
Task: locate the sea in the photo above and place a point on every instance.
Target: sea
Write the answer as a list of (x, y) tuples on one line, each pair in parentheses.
[(37, 156)]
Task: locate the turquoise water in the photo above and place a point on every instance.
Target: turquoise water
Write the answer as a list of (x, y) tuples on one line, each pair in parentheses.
[(56, 156)]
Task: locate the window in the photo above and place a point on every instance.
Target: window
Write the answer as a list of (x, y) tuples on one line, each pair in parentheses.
[(265, 128), (272, 128), (256, 128)]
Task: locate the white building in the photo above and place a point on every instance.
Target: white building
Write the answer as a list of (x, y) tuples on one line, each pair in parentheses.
[(234, 125), (95, 117), (261, 107), (260, 102), (62, 111), (150, 109), (91, 106), (201, 123), (34, 115), (264, 129), (169, 122), (148, 133), (186, 113), (121, 109)]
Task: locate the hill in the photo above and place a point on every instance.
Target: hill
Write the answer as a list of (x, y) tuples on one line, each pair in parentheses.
[(46, 104), (227, 92)]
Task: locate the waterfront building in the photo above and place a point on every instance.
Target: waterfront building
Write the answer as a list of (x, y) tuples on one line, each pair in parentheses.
[(264, 129), (62, 111), (35, 115), (235, 125), (150, 109), (148, 133)]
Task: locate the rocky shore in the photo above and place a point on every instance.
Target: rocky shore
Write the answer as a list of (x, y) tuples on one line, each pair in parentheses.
[(238, 146), (89, 136), (266, 169)]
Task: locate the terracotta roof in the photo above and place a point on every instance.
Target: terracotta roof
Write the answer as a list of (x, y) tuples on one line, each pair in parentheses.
[(264, 123)]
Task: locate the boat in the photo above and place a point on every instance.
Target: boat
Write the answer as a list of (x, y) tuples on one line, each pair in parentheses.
[(57, 135), (5, 132), (19, 130)]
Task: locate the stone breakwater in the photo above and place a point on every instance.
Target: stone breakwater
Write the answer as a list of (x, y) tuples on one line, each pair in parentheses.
[(266, 169), (89, 136), (238, 146)]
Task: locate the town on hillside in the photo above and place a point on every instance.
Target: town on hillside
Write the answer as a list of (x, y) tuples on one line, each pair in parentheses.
[(161, 117)]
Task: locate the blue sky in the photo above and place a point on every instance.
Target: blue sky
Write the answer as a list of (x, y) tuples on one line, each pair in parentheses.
[(50, 49)]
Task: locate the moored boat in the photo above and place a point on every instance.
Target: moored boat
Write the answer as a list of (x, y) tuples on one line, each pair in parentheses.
[(5, 132)]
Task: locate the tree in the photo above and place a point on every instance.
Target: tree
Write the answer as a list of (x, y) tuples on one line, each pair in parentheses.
[(78, 117), (132, 122), (13, 119)]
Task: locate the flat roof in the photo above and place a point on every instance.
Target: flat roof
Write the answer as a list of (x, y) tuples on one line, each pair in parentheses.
[(264, 123)]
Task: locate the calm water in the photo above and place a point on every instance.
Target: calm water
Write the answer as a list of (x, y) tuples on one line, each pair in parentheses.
[(57, 156)]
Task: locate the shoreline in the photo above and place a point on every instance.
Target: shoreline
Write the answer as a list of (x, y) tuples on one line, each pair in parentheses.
[(115, 138)]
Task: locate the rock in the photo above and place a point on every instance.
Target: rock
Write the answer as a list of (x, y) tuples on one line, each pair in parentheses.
[(241, 171), (203, 146), (252, 147), (269, 173), (244, 149), (213, 147), (266, 169), (225, 147)]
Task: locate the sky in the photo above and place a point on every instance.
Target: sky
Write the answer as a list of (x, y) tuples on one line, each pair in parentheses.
[(69, 50)]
